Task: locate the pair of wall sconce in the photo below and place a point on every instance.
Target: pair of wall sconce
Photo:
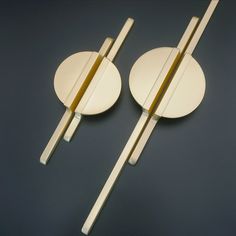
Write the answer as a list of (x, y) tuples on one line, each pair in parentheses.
[(165, 82)]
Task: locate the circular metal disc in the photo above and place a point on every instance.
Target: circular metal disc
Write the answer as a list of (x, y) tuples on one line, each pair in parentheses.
[(187, 95), (102, 92), (68, 73)]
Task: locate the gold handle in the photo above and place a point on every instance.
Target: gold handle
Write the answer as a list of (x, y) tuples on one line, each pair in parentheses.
[(147, 121), (110, 50)]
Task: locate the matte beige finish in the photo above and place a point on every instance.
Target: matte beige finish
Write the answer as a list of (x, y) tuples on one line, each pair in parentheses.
[(105, 81), (72, 127), (160, 80), (106, 84), (87, 83), (81, 82), (141, 142), (114, 175), (120, 39), (185, 88), (200, 29), (141, 83), (192, 26), (166, 82), (105, 48), (185, 91), (149, 73), (63, 124), (71, 69), (103, 89)]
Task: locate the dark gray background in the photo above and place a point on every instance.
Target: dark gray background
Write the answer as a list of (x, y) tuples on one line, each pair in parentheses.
[(184, 183)]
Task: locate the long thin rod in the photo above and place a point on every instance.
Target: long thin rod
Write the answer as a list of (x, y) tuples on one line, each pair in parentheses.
[(114, 174), (72, 127), (120, 38), (188, 33), (187, 44), (153, 120), (130, 146), (204, 21), (143, 140), (59, 131)]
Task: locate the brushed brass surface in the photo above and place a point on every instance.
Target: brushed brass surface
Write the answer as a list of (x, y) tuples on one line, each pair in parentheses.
[(184, 93), (59, 131), (106, 80), (188, 34), (102, 90), (114, 174), (71, 72), (200, 29), (149, 73), (87, 83), (140, 144), (166, 82), (72, 127)]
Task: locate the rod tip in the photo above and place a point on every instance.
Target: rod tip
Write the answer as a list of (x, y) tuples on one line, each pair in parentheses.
[(43, 161), (215, 1), (67, 138), (85, 230), (130, 20), (132, 161), (195, 18)]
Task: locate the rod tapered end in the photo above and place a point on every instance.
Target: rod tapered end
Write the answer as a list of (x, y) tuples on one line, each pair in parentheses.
[(45, 156), (131, 20), (42, 161), (85, 230), (72, 127)]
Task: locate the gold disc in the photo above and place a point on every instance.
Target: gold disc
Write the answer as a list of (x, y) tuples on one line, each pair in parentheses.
[(185, 92), (102, 92)]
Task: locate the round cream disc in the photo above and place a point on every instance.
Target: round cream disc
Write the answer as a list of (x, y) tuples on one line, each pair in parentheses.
[(102, 92), (185, 92)]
